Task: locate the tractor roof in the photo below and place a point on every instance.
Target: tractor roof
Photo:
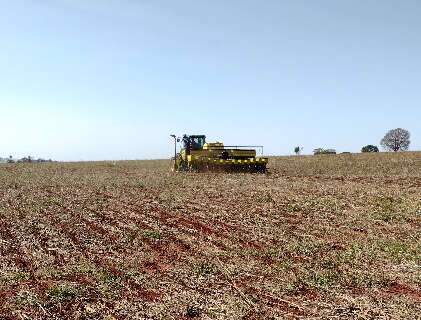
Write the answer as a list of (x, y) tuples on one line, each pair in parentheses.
[(196, 136)]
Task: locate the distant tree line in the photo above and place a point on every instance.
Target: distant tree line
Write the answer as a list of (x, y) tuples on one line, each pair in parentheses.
[(394, 140), (27, 159)]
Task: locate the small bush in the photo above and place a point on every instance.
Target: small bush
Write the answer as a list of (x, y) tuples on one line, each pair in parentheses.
[(62, 292), (152, 234), (204, 268)]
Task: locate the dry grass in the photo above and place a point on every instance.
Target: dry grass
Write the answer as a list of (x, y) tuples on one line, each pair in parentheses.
[(330, 237)]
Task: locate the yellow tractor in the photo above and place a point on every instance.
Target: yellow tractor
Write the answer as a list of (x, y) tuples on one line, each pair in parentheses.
[(198, 155)]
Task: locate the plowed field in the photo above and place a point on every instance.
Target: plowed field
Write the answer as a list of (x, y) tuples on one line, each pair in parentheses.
[(334, 237)]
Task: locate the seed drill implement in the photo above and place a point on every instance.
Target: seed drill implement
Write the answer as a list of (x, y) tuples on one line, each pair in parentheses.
[(198, 155)]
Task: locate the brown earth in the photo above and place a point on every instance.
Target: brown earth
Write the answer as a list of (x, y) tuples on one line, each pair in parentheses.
[(330, 237)]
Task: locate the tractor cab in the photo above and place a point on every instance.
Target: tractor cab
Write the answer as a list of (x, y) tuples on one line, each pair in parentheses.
[(193, 143)]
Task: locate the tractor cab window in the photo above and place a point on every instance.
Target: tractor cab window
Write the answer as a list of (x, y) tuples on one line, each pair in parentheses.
[(193, 142), (198, 142)]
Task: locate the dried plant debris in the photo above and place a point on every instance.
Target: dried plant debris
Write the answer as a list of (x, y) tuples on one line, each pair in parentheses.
[(327, 238)]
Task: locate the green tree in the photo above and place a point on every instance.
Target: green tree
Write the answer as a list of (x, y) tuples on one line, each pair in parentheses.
[(298, 150), (370, 148)]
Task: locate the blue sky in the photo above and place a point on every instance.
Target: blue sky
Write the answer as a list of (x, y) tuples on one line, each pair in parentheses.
[(92, 80)]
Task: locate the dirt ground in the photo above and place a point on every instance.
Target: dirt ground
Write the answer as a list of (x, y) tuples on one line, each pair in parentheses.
[(326, 237)]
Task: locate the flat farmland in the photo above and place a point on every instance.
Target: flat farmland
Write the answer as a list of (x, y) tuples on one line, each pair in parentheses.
[(326, 237)]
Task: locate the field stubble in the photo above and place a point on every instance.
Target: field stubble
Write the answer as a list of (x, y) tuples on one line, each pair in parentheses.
[(328, 237)]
